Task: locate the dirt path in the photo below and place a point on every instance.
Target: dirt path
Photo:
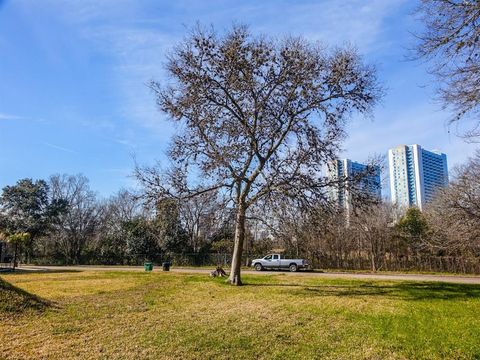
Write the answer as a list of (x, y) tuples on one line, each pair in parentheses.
[(462, 279)]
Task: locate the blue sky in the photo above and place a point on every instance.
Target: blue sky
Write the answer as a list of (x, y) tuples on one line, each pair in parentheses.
[(72, 79)]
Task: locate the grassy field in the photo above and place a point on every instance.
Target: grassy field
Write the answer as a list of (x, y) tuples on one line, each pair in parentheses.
[(135, 315)]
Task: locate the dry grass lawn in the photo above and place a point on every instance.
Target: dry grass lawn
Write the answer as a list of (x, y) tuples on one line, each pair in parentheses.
[(132, 315)]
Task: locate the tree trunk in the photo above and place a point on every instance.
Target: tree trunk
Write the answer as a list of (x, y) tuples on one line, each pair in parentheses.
[(15, 256), (29, 251), (372, 256), (234, 277)]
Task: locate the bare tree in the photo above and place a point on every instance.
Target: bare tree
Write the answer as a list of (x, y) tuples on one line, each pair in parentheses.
[(200, 217), (372, 225), (111, 234), (455, 213), (124, 205), (259, 117), (74, 228), (465, 189), (451, 42), (321, 234)]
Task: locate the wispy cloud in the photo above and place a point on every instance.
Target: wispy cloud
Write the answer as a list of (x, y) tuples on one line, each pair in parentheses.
[(137, 39), (12, 117), (421, 124), (58, 147), (360, 22)]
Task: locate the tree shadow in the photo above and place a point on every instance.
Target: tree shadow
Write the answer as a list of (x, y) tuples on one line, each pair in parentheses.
[(14, 300), (41, 271), (404, 290)]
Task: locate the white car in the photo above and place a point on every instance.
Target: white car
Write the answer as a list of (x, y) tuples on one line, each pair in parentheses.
[(277, 261)]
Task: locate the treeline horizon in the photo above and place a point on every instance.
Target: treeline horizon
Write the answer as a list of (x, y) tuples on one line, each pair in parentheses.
[(65, 222)]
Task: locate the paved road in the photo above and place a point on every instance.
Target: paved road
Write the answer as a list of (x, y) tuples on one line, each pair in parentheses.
[(329, 275)]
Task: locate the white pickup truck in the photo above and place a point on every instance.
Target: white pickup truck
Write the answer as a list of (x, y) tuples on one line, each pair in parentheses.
[(277, 261)]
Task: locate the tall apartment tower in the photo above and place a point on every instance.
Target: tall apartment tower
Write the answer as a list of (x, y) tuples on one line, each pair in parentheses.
[(346, 169), (416, 174)]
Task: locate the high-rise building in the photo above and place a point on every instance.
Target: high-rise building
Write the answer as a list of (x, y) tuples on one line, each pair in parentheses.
[(352, 178), (416, 175)]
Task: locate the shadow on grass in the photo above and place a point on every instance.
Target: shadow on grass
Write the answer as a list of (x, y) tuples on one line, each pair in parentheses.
[(41, 271), (15, 300), (401, 290)]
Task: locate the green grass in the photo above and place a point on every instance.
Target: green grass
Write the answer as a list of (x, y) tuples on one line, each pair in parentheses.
[(135, 315)]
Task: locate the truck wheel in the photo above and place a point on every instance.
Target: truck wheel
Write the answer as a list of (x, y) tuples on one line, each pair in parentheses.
[(258, 267), (293, 267)]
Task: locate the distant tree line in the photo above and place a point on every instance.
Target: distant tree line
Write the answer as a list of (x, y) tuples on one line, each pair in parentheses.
[(258, 118), (62, 221)]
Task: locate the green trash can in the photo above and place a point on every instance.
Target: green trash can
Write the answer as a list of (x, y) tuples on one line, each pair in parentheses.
[(148, 266)]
